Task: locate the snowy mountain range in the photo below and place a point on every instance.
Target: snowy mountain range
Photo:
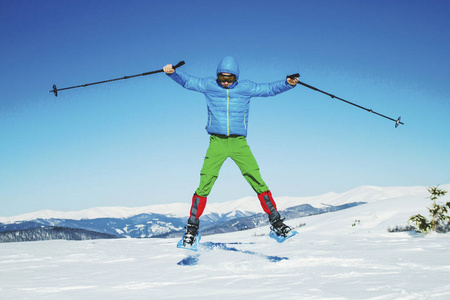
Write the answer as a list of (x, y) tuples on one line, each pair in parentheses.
[(169, 220)]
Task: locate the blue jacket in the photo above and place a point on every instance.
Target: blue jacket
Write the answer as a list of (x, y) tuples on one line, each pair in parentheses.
[(228, 108)]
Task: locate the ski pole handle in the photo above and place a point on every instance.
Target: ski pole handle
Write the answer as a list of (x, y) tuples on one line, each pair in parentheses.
[(173, 67), (179, 64), (293, 76)]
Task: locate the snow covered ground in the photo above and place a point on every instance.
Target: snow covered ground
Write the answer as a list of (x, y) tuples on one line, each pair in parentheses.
[(342, 255)]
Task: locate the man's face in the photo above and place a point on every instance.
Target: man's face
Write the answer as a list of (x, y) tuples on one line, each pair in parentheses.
[(226, 79)]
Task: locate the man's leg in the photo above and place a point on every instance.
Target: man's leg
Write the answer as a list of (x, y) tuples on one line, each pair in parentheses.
[(214, 159), (246, 162), (197, 208), (243, 157), (269, 206)]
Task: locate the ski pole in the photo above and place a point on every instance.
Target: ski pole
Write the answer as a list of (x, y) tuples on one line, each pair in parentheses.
[(56, 90), (397, 122)]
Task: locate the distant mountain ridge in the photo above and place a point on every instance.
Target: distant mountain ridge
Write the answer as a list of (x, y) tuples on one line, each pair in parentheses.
[(145, 225), (52, 233), (247, 204), (169, 220)]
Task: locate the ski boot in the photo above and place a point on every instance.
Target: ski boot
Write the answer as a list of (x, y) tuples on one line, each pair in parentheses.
[(279, 228), (190, 235), (280, 231), (191, 238)]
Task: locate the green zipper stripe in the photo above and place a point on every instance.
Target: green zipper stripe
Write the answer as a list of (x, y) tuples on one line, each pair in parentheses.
[(228, 113)]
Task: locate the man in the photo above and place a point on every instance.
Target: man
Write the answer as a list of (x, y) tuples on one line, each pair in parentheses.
[(228, 101)]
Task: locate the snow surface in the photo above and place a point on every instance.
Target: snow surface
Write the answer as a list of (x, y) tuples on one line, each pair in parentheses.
[(346, 254)]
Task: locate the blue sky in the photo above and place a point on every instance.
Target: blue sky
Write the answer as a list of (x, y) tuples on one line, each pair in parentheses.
[(142, 141)]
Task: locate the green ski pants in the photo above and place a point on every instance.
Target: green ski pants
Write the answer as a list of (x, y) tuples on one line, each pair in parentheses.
[(236, 147)]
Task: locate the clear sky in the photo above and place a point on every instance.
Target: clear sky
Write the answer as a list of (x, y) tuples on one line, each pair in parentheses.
[(142, 141)]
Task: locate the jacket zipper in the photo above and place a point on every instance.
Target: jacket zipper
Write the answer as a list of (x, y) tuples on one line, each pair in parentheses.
[(228, 113)]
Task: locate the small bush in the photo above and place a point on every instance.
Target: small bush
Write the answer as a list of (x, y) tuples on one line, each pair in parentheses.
[(402, 228), (440, 220)]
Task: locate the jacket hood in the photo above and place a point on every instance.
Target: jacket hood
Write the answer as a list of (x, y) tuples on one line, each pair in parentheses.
[(228, 65)]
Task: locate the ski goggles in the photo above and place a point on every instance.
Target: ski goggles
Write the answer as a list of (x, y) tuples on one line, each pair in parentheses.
[(226, 78)]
